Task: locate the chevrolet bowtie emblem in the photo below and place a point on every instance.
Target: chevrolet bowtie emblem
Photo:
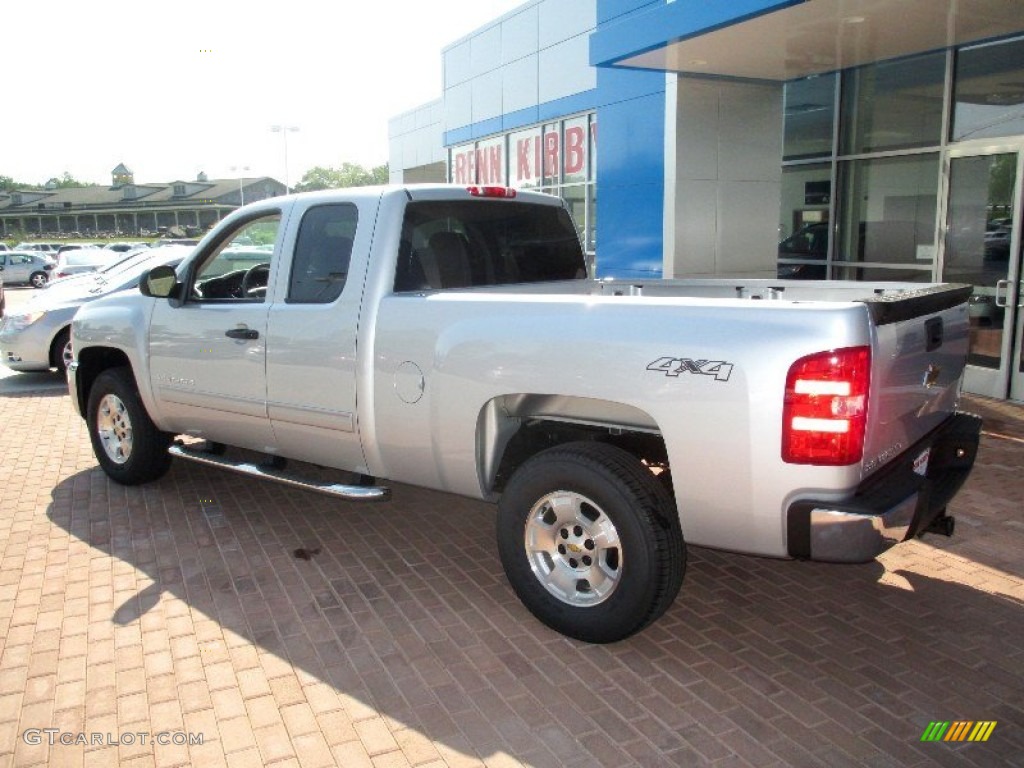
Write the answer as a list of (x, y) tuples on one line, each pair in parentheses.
[(931, 376)]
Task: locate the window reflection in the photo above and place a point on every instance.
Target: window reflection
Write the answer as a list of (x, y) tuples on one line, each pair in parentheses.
[(893, 105), (804, 222), (810, 117), (989, 91)]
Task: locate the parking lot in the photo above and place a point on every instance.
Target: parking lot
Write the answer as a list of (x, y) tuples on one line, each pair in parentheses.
[(209, 619)]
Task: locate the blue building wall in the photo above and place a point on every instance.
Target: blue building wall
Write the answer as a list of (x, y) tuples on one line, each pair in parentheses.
[(630, 161)]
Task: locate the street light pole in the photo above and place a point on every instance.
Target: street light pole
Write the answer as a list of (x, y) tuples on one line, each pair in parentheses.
[(284, 130), (241, 194)]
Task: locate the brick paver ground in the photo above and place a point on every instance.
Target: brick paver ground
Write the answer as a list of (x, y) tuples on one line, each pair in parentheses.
[(180, 609)]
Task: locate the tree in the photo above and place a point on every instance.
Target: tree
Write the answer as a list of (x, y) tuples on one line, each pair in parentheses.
[(349, 175), (8, 184), (67, 181)]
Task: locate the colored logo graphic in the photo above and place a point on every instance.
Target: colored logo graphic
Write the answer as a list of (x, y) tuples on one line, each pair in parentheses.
[(959, 730)]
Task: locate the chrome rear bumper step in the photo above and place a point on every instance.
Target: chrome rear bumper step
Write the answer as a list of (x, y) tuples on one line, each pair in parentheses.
[(339, 490)]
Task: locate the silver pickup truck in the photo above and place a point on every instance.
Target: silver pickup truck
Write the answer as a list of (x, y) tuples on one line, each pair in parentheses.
[(450, 337)]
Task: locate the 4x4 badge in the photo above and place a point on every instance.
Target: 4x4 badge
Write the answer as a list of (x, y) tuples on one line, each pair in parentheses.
[(674, 366)]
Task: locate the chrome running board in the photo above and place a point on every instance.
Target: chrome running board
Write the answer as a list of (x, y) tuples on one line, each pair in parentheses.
[(339, 490)]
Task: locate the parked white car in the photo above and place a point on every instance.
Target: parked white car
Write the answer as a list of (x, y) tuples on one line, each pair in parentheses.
[(30, 267)]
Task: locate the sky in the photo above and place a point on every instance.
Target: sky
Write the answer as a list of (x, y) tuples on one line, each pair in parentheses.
[(172, 89)]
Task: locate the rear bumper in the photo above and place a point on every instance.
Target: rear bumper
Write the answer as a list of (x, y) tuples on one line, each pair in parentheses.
[(892, 505)]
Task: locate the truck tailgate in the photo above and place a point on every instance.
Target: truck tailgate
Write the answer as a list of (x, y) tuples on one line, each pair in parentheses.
[(920, 350)]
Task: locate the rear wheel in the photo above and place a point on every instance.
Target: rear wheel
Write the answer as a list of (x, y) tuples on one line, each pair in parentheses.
[(590, 541), (128, 446), (38, 279)]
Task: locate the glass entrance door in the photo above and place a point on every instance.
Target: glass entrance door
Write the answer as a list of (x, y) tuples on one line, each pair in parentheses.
[(983, 248)]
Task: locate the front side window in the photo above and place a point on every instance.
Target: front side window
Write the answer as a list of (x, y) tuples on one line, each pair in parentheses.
[(238, 269), (322, 254)]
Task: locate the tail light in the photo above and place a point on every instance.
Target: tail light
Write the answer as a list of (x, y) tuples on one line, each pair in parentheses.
[(826, 408), (505, 192)]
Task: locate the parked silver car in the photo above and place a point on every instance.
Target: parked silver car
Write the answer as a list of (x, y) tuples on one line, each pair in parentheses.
[(37, 337), (30, 267)]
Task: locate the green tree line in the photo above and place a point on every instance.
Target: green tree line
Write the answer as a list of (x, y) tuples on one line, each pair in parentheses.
[(319, 177)]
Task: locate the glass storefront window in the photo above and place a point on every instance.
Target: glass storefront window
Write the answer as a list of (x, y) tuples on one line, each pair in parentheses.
[(574, 150), (888, 213), (893, 105), (576, 197), (809, 117), (804, 222), (552, 156), (988, 91), (524, 158), (462, 162)]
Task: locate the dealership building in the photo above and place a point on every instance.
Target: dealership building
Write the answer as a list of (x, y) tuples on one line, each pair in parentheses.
[(847, 139)]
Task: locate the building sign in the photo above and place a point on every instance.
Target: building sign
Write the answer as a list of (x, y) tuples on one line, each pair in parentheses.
[(548, 155)]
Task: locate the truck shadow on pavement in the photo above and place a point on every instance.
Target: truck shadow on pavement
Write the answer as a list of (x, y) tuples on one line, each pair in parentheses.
[(403, 609)]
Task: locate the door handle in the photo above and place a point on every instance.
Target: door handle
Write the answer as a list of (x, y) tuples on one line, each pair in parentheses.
[(242, 333), (1002, 285)]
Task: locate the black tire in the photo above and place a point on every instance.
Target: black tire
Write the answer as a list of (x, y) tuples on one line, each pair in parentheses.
[(38, 279), (58, 356), (640, 575), (117, 420)]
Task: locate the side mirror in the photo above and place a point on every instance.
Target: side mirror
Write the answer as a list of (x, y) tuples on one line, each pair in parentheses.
[(159, 283)]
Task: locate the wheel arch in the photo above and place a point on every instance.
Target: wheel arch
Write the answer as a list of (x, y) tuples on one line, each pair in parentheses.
[(513, 428), (92, 361), (55, 353)]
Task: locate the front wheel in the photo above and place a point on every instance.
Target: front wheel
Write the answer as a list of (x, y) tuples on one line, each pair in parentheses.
[(61, 354), (128, 446), (590, 541)]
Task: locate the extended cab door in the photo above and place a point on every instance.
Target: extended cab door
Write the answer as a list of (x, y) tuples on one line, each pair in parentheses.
[(208, 351), (311, 351)]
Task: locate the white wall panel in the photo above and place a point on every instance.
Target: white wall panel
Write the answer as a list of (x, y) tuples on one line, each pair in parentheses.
[(564, 69), (486, 96), (519, 35), (458, 106), (697, 129), (749, 216), (485, 51), (520, 87), (696, 235), (457, 64), (750, 116), (564, 19)]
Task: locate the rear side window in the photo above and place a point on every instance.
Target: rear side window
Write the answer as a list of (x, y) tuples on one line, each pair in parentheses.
[(460, 244), (323, 251)]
